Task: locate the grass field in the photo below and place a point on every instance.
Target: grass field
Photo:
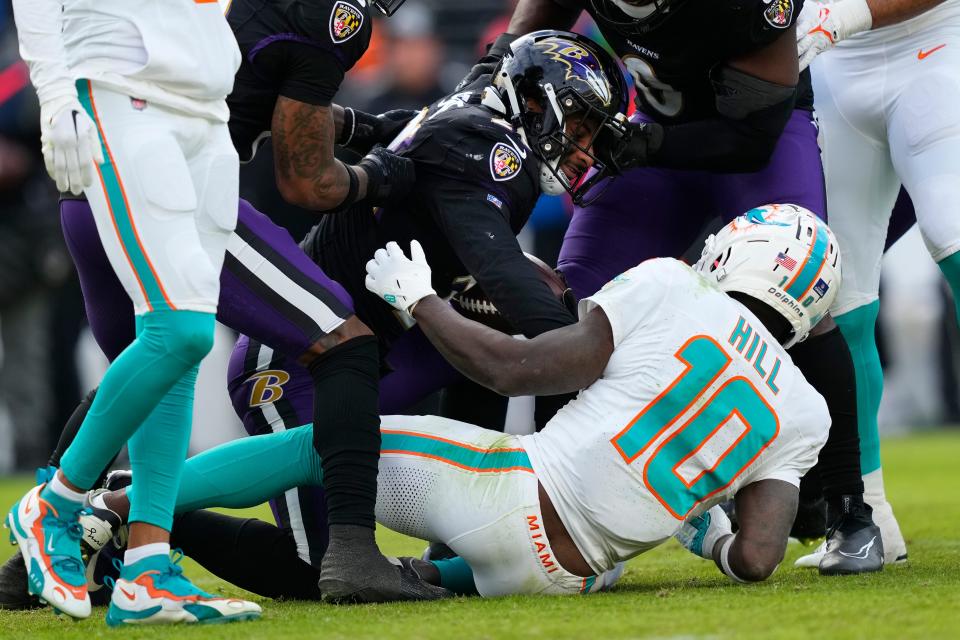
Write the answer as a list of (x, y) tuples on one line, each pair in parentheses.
[(666, 593)]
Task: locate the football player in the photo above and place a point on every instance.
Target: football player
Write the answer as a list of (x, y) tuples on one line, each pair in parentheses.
[(293, 58), (886, 97), (724, 123), (689, 398), (482, 157), (133, 114)]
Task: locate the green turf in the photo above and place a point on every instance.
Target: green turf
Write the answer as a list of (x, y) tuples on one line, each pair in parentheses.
[(666, 593)]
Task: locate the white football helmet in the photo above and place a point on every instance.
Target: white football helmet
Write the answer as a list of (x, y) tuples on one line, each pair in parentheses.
[(782, 255)]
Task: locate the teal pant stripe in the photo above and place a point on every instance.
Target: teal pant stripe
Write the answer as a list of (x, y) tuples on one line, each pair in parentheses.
[(950, 267), (139, 262), (456, 454), (858, 327), (811, 268)]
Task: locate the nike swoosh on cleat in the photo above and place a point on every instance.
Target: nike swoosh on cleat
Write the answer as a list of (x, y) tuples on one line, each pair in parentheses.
[(130, 596), (861, 554), (921, 54)]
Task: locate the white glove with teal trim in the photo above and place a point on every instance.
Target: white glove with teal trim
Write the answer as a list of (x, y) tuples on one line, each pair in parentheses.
[(700, 534), (400, 280), (70, 144)]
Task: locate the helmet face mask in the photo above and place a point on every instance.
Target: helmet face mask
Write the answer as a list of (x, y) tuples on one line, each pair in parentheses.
[(387, 7), (564, 94), (781, 255)]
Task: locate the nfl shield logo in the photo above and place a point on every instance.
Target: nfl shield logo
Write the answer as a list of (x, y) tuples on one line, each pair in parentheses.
[(345, 21), (821, 288), (504, 162)]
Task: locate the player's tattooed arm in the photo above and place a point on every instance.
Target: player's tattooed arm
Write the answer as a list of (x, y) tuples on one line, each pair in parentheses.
[(532, 15), (307, 174), (559, 361), (765, 512)]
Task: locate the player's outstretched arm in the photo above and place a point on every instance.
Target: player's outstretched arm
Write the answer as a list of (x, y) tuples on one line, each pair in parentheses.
[(558, 361), (765, 512)]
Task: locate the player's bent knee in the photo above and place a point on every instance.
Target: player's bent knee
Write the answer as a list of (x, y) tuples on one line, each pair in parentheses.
[(757, 567), (189, 334), (351, 328)]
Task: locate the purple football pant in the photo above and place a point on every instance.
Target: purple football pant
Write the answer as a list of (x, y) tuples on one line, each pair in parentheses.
[(651, 212), (269, 289), (275, 294)]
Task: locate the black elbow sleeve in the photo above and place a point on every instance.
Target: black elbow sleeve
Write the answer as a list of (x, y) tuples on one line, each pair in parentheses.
[(751, 115), (758, 110)]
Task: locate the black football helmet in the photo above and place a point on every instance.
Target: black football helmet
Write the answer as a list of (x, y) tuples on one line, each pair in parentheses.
[(633, 17), (549, 77)]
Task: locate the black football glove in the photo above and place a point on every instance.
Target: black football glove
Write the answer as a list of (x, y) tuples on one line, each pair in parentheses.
[(361, 131), (389, 176), (489, 62), (632, 150)]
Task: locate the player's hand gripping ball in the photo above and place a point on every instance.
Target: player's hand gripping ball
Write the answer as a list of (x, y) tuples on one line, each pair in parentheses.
[(473, 303), (401, 281)]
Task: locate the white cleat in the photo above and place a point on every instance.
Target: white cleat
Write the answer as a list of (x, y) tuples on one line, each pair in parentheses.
[(894, 546), (50, 545), (812, 560), (155, 591)]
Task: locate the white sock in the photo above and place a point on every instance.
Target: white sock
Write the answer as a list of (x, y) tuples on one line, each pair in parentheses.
[(59, 488), (136, 554)]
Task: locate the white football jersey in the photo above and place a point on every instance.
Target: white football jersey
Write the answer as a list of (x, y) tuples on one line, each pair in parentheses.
[(696, 400), (178, 53)]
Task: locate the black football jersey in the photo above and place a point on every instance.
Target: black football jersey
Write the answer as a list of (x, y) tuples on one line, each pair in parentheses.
[(300, 49), (671, 63), (477, 184)]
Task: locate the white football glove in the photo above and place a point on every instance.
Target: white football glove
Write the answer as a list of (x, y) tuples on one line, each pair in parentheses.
[(70, 145), (822, 25), (699, 535), (400, 281)]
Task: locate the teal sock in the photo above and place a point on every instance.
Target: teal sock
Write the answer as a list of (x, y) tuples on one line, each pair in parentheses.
[(457, 576), (950, 267), (858, 327), (169, 344), (158, 451), (248, 471)]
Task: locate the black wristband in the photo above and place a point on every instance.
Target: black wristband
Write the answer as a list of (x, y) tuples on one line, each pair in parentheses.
[(349, 127), (351, 191)]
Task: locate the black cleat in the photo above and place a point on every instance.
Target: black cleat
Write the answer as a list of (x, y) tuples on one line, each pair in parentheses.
[(354, 571), (13, 586), (853, 543)]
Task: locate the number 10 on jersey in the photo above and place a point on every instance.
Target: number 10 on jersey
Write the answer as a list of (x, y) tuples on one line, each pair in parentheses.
[(677, 472)]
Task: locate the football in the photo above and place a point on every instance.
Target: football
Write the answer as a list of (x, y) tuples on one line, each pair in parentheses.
[(473, 303)]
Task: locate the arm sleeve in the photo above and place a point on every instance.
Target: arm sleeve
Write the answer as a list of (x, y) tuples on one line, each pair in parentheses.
[(631, 299), (481, 237), (310, 74), (722, 144), (41, 47)]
